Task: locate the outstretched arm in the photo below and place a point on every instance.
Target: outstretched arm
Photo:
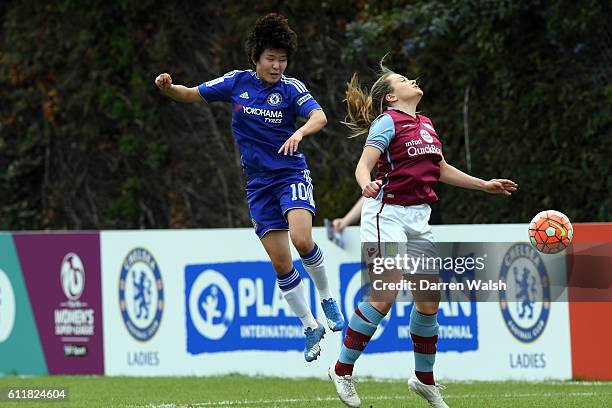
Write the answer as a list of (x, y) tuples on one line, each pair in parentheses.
[(179, 93), (455, 177)]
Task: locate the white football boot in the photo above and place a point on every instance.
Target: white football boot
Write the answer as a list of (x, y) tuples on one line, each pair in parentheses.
[(345, 387), (431, 393)]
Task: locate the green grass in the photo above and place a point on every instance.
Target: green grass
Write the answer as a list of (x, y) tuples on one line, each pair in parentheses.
[(241, 391)]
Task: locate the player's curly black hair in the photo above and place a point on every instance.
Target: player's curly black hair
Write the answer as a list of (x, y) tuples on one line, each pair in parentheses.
[(271, 31)]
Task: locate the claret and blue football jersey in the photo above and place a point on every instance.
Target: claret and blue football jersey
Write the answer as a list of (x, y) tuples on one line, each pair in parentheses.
[(263, 117), (411, 152)]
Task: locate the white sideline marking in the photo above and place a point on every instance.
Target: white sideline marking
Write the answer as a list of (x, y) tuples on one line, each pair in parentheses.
[(232, 403)]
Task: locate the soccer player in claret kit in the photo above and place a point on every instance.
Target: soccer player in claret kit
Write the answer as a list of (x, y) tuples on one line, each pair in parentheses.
[(279, 188), (408, 153)]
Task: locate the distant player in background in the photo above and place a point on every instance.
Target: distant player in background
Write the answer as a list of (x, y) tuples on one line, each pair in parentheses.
[(336, 227), (266, 105), (408, 152), (351, 217)]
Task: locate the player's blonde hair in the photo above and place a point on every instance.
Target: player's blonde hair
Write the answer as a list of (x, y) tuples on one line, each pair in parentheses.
[(363, 106)]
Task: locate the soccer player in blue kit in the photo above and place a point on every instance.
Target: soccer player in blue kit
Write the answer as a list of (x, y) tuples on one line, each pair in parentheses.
[(279, 188)]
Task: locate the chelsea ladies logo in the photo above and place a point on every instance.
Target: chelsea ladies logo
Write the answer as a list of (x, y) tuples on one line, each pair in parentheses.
[(274, 99), (525, 305), (141, 294)]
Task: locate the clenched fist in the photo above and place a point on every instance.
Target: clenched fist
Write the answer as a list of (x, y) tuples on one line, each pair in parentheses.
[(370, 190), (163, 81)]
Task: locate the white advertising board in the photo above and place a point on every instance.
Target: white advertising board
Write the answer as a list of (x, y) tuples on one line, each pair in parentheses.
[(205, 302)]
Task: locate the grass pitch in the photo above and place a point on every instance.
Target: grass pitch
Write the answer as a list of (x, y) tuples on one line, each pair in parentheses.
[(241, 391)]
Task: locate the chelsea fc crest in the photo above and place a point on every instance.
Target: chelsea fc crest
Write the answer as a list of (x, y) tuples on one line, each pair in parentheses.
[(525, 305), (274, 99), (141, 294)]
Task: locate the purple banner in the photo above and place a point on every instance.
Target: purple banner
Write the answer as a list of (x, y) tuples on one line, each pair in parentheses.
[(62, 276)]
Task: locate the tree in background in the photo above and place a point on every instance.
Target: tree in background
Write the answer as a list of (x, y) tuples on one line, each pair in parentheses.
[(82, 143)]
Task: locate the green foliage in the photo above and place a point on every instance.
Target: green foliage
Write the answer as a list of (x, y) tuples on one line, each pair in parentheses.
[(536, 100), (87, 141)]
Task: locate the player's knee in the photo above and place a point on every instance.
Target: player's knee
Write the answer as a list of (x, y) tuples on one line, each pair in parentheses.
[(303, 244), (282, 266), (382, 307), (427, 307)]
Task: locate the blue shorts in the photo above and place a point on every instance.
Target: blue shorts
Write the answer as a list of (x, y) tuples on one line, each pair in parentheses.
[(271, 195)]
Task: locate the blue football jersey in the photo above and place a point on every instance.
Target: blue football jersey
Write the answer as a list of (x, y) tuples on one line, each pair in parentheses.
[(263, 117)]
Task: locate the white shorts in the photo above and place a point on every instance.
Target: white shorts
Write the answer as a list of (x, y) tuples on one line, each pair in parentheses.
[(394, 223), (395, 229)]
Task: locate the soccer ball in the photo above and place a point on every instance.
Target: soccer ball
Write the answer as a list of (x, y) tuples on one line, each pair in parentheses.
[(550, 231)]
